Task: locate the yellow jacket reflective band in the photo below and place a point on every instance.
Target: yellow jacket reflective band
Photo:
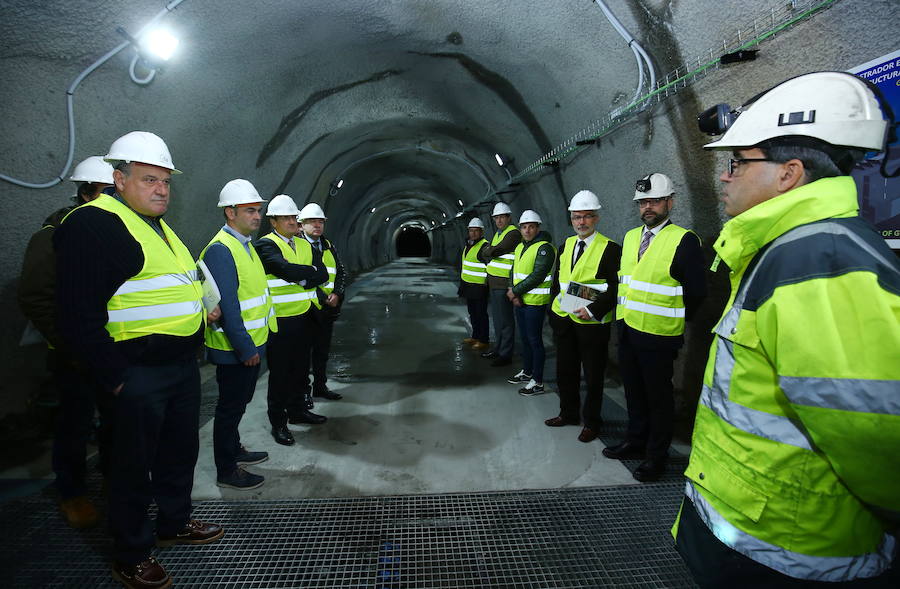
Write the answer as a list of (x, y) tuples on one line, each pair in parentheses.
[(331, 267), (164, 297), (500, 266), (523, 265), (649, 299), (801, 396), (290, 298), (257, 309), (584, 272), (303, 245), (472, 270)]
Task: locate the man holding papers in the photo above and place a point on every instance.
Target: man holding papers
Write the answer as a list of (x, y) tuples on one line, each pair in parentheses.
[(581, 331), (661, 284)]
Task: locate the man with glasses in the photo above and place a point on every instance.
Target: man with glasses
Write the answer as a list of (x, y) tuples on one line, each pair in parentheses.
[(661, 284), (130, 305), (498, 255), (794, 476), (581, 332)]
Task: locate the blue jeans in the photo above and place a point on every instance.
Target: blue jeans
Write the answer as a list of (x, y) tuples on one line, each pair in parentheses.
[(531, 327)]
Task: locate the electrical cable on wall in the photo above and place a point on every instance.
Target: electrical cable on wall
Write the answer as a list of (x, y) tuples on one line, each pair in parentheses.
[(70, 93)]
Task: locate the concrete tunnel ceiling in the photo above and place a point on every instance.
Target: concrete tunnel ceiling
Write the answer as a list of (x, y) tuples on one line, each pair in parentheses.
[(291, 95)]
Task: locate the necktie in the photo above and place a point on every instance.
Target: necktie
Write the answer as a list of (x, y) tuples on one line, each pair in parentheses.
[(318, 245), (645, 243), (578, 251)]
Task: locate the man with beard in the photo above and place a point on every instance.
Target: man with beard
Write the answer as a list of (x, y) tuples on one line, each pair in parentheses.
[(661, 284)]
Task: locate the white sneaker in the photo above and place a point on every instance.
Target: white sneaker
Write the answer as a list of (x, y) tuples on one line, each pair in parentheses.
[(519, 378), (532, 389)]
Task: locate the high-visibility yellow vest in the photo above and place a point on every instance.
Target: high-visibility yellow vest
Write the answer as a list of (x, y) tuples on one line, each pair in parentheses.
[(290, 298), (794, 449), (523, 265), (649, 299), (165, 296), (331, 266), (257, 310), (306, 247), (500, 266), (473, 271), (585, 272)]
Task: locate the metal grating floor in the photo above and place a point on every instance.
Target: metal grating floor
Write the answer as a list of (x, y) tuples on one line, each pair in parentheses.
[(593, 537)]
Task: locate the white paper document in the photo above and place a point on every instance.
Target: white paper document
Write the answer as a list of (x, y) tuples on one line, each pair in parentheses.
[(580, 295), (211, 294)]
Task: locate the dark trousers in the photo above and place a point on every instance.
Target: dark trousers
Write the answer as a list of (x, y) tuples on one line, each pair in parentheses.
[(288, 353), (321, 347), (504, 323), (647, 378), (236, 386), (580, 347), (478, 316), (715, 565), (157, 416), (530, 319), (78, 397)]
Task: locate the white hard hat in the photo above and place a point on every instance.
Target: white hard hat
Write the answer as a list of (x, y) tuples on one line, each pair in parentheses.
[(835, 107), (141, 147), (501, 208), (476, 222), (93, 169), (584, 200), (282, 205), (529, 216), (311, 211), (653, 186), (239, 192)]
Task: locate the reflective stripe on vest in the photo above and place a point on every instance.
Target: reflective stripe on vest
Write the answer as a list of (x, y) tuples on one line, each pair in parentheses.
[(331, 267), (164, 297), (290, 298), (584, 272), (649, 298), (473, 271), (257, 309), (523, 266), (793, 564), (501, 265), (306, 247)]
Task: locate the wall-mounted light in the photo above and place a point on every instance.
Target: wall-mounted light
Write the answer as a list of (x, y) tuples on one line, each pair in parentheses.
[(460, 202), (373, 210), (386, 219), (159, 43), (150, 50), (340, 183), (445, 215), (499, 159)]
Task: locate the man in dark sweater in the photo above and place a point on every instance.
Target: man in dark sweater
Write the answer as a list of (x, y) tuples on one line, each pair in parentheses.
[(130, 303), (473, 285), (78, 393), (498, 255)]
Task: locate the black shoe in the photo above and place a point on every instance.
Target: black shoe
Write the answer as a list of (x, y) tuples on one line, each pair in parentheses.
[(489, 355), (330, 395), (650, 469), (307, 416), (283, 435), (502, 361), (246, 457), (624, 450), (241, 480)]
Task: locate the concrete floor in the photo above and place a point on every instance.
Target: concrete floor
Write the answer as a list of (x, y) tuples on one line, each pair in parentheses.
[(421, 413)]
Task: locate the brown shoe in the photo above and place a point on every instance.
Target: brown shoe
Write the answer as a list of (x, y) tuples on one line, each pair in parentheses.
[(195, 532), (559, 421), (587, 435), (79, 512), (469, 341), (145, 575), (480, 345)]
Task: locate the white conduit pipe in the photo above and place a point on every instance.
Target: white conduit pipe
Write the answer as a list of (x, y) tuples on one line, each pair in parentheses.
[(639, 54), (70, 93)]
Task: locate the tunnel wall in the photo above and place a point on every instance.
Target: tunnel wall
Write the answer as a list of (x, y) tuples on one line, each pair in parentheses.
[(537, 91)]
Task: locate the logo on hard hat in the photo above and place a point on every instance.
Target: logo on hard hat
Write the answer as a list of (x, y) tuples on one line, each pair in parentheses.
[(797, 118), (164, 158)]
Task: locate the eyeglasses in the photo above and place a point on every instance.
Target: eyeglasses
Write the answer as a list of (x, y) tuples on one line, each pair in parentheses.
[(734, 164), (578, 218), (649, 202)]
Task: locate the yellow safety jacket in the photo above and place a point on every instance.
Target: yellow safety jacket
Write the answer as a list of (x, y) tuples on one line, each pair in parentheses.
[(523, 265), (649, 299), (585, 272), (501, 265), (331, 267), (795, 446), (304, 246), (473, 271), (290, 298), (165, 296), (257, 309)]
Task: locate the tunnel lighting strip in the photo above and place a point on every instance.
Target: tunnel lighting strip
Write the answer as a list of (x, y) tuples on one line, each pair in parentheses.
[(70, 93), (602, 127)]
